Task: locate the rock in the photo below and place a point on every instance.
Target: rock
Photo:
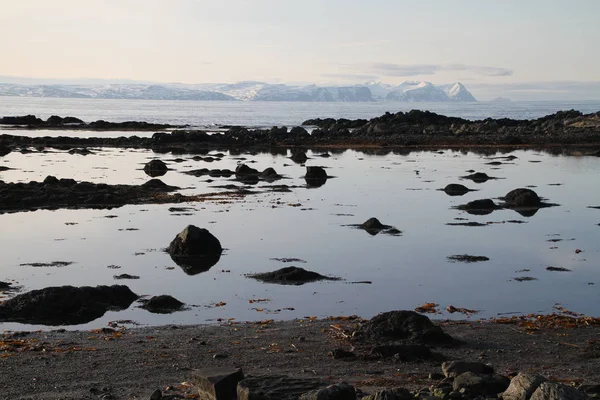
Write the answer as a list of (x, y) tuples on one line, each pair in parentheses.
[(557, 391), (125, 276), (194, 241), (4, 150), (156, 395), (478, 177), (391, 394), (373, 224), (315, 176), (340, 391), (402, 352), (81, 152), (21, 120), (65, 305), (291, 276), (155, 168), (299, 156), (243, 170), (479, 207), (341, 354), (163, 304), (218, 383), (4, 285), (452, 369), (522, 197), (467, 258), (485, 385), (276, 387), (456, 189), (269, 174), (522, 386), (404, 326)]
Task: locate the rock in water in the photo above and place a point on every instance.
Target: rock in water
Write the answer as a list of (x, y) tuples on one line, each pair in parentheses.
[(155, 168), (163, 304), (66, 305), (456, 189), (195, 250), (291, 276), (315, 176), (403, 326), (522, 197)]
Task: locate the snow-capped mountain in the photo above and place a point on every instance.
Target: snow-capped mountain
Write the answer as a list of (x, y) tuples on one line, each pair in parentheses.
[(408, 91)]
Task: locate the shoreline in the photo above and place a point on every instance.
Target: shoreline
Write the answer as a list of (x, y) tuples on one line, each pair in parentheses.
[(133, 363)]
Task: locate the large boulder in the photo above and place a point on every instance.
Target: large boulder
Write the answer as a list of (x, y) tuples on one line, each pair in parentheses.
[(522, 197), (403, 326), (195, 250), (155, 168), (66, 305), (557, 391)]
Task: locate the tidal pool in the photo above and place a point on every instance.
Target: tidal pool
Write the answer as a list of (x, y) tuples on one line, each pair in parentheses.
[(379, 272)]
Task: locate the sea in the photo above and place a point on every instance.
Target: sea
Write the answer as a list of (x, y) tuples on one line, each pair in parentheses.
[(313, 226)]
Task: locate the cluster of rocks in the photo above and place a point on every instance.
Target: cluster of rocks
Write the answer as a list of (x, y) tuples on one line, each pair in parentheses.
[(522, 200), (391, 130), (68, 193), (56, 122)]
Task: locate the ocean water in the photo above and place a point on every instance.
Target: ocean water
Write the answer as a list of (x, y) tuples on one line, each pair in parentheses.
[(208, 114), (311, 224)]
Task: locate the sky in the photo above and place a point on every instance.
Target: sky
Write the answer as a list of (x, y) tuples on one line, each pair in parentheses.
[(523, 50)]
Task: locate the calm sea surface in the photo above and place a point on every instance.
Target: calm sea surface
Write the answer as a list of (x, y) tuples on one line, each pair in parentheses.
[(311, 223)]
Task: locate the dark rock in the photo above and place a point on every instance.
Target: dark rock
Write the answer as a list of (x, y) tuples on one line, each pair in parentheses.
[(4, 150), (126, 276), (51, 180), (21, 120), (315, 176), (478, 177), (155, 168), (557, 391), (244, 170), (269, 174), (391, 394), (522, 386), (340, 391), (291, 276), (403, 326), (299, 156), (157, 184), (81, 152), (65, 305), (218, 383), (402, 352), (163, 304), (195, 250), (276, 387), (4, 285), (483, 385), (456, 189), (479, 207), (467, 258), (452, 369), (522, 197)]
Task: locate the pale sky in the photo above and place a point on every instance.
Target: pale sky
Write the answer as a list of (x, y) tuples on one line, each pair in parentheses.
[(525, 45)]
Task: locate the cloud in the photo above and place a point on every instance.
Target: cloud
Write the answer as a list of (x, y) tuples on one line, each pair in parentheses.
[(406, 70), (352, 77)]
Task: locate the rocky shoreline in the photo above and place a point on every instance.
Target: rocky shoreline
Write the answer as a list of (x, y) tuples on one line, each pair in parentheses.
[(286, 360)]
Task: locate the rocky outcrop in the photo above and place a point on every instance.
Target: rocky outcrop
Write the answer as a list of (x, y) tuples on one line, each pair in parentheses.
[(291, 276), (65, 305)]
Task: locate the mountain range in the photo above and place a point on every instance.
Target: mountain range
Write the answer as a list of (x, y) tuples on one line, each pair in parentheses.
[(408, 91)]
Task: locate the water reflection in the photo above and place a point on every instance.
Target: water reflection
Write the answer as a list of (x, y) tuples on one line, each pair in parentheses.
[(198, 264)]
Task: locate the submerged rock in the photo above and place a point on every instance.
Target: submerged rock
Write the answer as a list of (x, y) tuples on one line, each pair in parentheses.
[(163, 304), (65, 305), (373, 226), (479, 207), (291, 276), (478, 177), (456, 189), (403, 326)]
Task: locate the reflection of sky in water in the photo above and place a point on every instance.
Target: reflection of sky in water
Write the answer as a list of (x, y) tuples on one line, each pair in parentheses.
[(406, 271)]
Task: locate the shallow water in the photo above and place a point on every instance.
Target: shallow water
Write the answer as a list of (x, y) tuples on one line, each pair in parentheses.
[(309, 223)]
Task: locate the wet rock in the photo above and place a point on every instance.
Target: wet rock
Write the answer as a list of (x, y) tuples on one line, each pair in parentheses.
[(479, 207), (218, 383), (276, 387), (373, 225), (65, 305), (456, 189), (299, 156), (467, 258), (402, 352), (21, 120), (403, 326), (163, 304), (155, 168), (556, 391), (244, 170), (391, 394), (483, 385), (195, 250), (340, 391), (522, 386), (315, 176), (522, 197), (291, 276), (269, 175), (452, 369), (478, 177)]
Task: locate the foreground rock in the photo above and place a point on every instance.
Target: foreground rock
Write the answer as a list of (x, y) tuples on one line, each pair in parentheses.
[(65, 305), (291, 276), (68, 193), (163, 304), (195, 250), (522, 386), (218, 383), (405, 327)]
